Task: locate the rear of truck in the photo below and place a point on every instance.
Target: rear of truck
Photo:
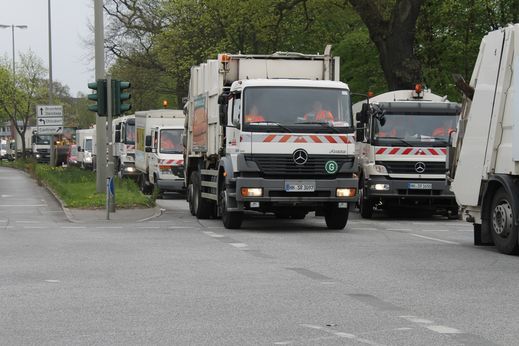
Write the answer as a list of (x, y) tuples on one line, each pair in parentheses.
[(261, 144)]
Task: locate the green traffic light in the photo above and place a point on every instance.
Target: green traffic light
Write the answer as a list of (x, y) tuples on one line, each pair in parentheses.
[(119, 96), (100, 97)]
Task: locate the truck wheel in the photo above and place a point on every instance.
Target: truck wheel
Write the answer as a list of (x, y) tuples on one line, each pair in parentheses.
[(146, 188), (189, 198), (336, 218), (202, 208), (502, 215), (365, 205), (231, 220)]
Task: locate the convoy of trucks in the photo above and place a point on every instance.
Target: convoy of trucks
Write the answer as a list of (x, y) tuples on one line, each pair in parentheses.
[(485, 157), (270, 133), (159, 150), (402, 139)]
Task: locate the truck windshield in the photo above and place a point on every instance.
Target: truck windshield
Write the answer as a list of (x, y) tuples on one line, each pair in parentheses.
[(415, 129), (41, 140), (170, 142), (298, 109), (88, 144), (130, 133)]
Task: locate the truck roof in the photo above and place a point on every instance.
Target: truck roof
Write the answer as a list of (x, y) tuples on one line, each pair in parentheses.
[(289, 83), (158, 113)]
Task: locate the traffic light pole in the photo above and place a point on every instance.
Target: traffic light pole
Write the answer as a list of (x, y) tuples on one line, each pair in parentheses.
[(110, 156), (100, 120)]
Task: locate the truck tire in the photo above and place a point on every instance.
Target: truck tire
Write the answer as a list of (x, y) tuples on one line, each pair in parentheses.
[(365, 204), (189, 197), (502, 225), (146, 187), (230, 220), (336, 218), (202, 208)]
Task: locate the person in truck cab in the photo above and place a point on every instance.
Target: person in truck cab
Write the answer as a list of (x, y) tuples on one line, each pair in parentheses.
[(318, 113), (445, 130), (253, 115)]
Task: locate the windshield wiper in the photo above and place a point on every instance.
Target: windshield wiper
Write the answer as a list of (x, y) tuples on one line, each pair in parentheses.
[(323, 124), (400, 139), (267, 122)]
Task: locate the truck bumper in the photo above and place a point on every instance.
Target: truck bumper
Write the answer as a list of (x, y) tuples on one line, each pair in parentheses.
[(274, 192), (399, 192), (170, 185), (128, 170)]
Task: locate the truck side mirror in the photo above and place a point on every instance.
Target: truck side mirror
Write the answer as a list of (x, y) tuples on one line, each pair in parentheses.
[(147, 142), (362, 116), (118, 137), (79, 149), (359, 132), (118, 127), (223, 101)]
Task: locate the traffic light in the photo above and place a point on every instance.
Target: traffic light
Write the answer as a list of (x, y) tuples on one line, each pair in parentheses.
[(119, 96), (100, 97)]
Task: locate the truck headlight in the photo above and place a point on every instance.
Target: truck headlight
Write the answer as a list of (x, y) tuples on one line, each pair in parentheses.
[(380, 187), (252, 191), (345, 192), (129, 169)]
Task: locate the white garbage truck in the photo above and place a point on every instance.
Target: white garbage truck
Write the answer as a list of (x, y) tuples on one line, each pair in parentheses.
[(402, 140), (86, 147), (270, 133), (159, 150), (485, 159), (124, 146)]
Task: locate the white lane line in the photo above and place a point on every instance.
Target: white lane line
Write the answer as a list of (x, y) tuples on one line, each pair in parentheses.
[(109, 227), (24, 221), (364, 228), (214, 235), (435, 239), (415, 319), (342, 334), (398, 229), (35, 227), (465, 230), (444, 330), (72, 227), (435, 230), (52, 281), (147, 227), (159, 221), (239, 245), (180, 227)]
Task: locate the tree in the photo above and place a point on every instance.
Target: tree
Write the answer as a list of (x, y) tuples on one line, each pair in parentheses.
[(392, 30), (21, 94)]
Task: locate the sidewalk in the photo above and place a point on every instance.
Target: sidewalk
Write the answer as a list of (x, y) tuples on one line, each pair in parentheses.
[(120, 216)]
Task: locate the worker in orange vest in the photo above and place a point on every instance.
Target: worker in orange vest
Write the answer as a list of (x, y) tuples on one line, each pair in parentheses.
[(319, 113), (253, 115), (445, 130)]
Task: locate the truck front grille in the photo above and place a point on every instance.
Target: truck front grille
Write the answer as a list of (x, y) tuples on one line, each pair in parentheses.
[(284, 165), (409, 167)]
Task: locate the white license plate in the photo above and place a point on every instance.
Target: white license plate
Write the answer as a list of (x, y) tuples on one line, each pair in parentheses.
[(420, 186), (300, 186)]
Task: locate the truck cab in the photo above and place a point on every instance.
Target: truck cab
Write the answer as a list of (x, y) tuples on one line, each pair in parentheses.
[(86, 148), (402, 146), (124, 146), (40, 146)]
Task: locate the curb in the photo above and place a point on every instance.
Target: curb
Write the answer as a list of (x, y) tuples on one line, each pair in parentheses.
[(66, 210), (158, 212)]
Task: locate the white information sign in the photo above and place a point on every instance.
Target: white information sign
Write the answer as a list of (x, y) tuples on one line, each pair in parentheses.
[(50, 130), (49, 111), (50, 122)]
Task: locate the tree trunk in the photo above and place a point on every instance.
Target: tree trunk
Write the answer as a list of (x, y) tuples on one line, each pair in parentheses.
[(394, 39)]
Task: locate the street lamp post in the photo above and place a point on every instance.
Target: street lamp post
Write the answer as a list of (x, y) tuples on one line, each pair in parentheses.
[(12, 26)]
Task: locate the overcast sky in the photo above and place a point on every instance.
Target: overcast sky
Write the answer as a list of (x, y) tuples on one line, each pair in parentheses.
[(72, 63)]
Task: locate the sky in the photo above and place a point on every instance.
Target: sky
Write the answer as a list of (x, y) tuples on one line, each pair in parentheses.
[(72, 60)]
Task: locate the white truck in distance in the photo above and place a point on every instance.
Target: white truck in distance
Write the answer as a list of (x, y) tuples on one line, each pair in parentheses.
[(86, 140), (124, 146), (486, 156), (159, 150), (270, 133), (402, 139)]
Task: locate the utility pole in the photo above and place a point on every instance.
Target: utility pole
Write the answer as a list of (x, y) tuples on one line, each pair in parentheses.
[(110, 157), (100, 74), (50, 57)]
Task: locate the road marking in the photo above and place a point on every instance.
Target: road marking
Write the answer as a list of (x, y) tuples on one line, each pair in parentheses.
[(435, 239), (465, 230), (109, 227), (398, 229), (72, 227), (365, 228), (342, 334), (23, 221), (35, 227), (180, 227), (435, 230), (214, 235), (52, 281), (239, 245), (444, 330), (147, 227), (415, 319)]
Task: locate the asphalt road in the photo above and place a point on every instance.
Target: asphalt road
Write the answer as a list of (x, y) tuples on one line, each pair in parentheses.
[(175, 280)]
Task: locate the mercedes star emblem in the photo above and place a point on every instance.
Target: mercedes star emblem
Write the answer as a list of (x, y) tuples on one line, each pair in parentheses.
[(300, 157), (419, 167)]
